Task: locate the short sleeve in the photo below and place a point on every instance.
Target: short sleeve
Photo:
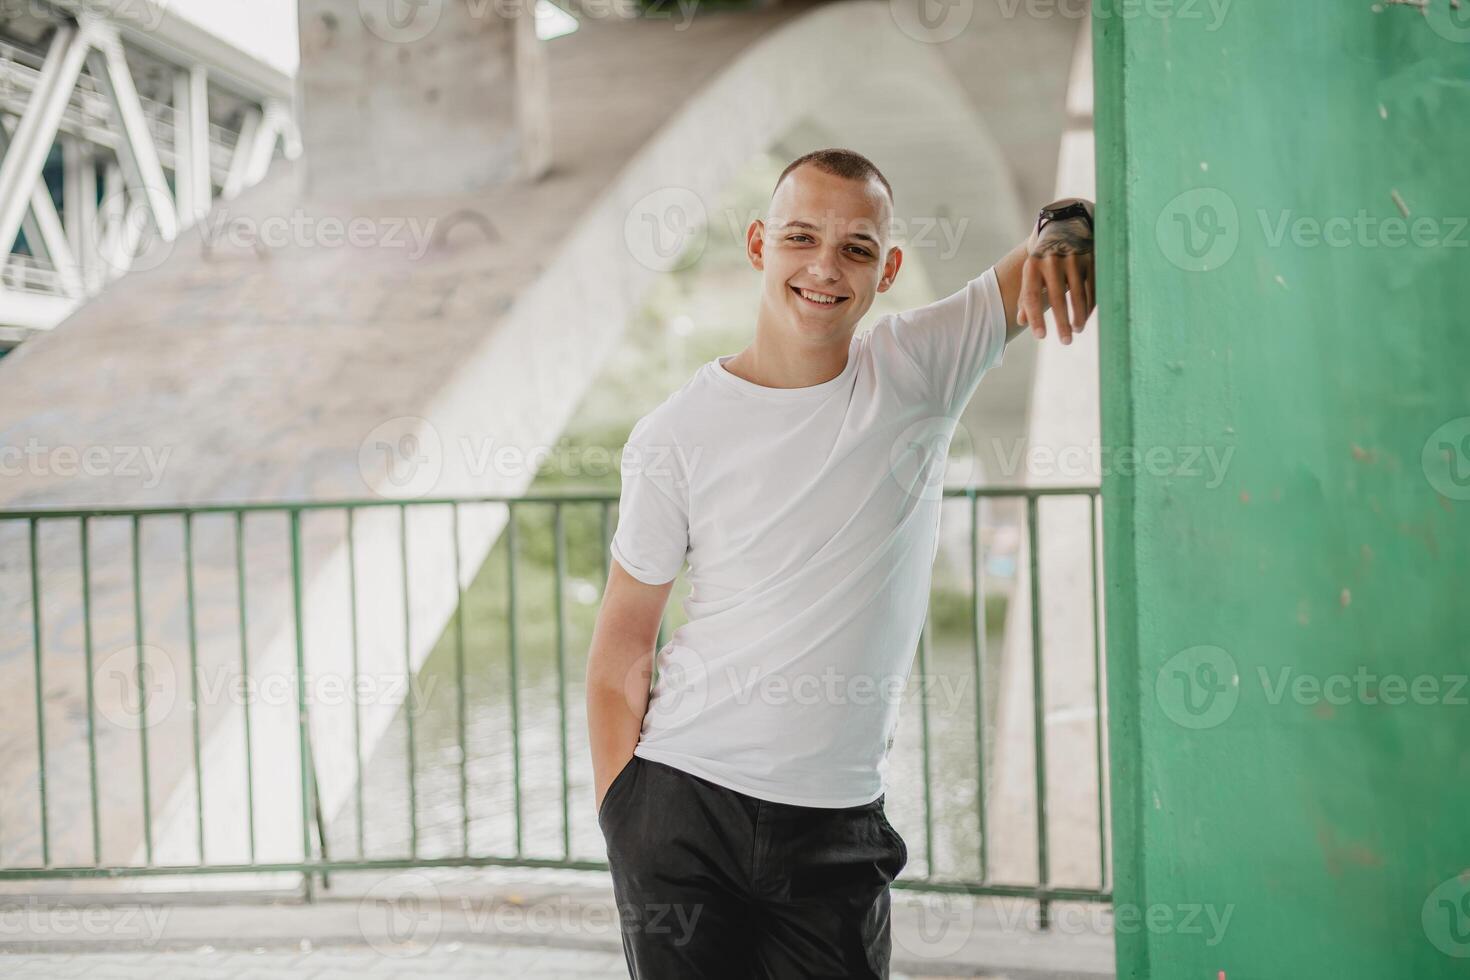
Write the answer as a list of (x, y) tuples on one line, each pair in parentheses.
[(652, 536), (955, 340)]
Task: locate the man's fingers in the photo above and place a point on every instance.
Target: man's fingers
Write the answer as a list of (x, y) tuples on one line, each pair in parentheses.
[(1031, 299), (1089, 280), (1056, 289), (1076, 292)]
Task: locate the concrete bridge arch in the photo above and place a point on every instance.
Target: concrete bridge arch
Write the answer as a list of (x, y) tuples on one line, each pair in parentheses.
[(494, 329)]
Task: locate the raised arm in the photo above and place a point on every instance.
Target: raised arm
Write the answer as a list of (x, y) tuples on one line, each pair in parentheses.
[(1058, 259)]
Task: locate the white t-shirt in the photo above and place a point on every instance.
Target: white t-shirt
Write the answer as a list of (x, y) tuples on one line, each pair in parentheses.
[(809, 517)]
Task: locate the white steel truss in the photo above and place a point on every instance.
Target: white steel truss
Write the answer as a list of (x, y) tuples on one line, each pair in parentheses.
[(115, 150)]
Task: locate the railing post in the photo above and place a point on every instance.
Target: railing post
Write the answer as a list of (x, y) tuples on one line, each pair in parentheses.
[(1038, 709), (925, 765), (86, 550), (513, 656), (977, 634), (40, 699), (356, 669), (408, 704), (459, 672), (194, 679), (1097, 699), (141, 669), (559, 570), (302, 724), (245, 680)]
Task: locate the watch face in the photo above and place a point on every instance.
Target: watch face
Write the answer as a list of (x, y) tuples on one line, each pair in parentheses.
[(1075, 209)]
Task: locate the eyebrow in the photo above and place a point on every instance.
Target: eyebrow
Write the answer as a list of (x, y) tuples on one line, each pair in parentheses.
[(811, 227)]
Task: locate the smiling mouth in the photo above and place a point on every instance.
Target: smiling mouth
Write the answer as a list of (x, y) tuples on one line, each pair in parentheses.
[(837, 301)]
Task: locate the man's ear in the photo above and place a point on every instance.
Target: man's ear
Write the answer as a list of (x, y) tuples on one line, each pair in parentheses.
[(755, 243), (890, 268)]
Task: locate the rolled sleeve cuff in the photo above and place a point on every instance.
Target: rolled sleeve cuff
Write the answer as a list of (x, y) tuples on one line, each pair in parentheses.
[(646, 574)]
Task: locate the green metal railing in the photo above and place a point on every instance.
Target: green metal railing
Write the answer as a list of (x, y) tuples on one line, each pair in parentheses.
[(317, 861)]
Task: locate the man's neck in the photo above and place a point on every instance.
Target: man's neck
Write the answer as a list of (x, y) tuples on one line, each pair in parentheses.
[(773, 364)]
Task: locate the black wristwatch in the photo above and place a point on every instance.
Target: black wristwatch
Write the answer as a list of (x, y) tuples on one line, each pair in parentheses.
[(1074, 210)]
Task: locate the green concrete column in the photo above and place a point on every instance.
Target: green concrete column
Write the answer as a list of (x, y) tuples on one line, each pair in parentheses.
[(1285, 290)]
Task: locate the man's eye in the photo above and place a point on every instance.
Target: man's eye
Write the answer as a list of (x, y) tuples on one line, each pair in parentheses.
[(860, 250), (795, 237)]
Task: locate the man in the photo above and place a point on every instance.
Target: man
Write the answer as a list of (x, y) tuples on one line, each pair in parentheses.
[(742, 800)]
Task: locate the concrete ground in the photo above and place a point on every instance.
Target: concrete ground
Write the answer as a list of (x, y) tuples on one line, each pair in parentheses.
[(501, 922), (458, 960)]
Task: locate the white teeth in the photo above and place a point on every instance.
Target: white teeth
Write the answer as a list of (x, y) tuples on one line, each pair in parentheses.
[(818, 297)]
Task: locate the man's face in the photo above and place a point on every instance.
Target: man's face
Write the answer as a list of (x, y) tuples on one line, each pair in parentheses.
[(822, 235)]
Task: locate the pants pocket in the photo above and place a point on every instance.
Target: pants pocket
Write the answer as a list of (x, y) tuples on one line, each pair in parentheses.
[(897, 838), (613, 787)]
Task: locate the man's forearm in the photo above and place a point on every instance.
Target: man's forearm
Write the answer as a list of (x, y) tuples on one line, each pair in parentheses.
[(1008, 275), (618, 672)]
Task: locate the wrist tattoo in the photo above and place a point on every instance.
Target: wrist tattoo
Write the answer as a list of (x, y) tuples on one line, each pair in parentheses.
[(1063, 238)]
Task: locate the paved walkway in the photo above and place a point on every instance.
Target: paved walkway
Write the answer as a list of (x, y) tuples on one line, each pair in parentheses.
[(346, 963), (207, 963), (502, 922)]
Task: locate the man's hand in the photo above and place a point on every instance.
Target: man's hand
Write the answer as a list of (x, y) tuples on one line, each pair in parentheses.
[(1059, 259)]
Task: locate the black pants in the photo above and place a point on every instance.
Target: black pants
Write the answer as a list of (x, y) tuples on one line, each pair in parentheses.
[(712, 883)]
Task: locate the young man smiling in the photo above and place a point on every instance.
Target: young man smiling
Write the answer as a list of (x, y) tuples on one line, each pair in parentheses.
[(742, 799)]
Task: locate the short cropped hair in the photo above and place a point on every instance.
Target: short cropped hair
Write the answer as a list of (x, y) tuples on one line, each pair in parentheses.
[(839, 163)]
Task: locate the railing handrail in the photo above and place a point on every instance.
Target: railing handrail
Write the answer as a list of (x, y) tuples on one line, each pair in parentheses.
[(588, 496), (315, 858)]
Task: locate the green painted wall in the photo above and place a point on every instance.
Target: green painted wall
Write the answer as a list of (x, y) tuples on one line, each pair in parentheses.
[(1329, 375)]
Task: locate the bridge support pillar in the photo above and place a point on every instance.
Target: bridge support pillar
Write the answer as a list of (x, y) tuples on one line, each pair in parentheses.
[(430, 98)]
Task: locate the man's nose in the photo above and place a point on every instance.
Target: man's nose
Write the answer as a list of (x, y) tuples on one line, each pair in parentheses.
[(823, 265)]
